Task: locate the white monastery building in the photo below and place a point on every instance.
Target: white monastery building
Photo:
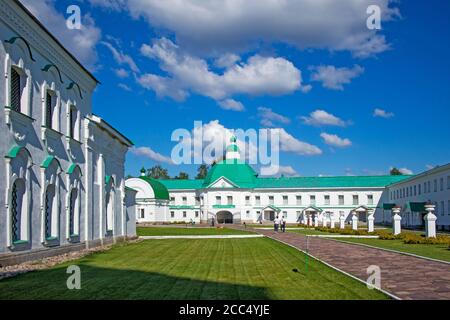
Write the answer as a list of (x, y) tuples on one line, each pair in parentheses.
[(232, 192), (62, 175)]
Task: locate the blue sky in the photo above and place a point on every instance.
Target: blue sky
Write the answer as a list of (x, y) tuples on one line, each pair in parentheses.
[(159, 67)]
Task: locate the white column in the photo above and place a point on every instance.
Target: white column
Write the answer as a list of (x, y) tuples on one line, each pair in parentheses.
[(354, 221), (341, 221), (370, 221), (332, 221), (396, 221), (316, 220), (310, 222), (324, 220), (305, 218), (430, 221)]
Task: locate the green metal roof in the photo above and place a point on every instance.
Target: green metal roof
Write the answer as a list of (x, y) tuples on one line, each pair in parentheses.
[(244, 177), (235, 171), (388, 206), (72, 168), (158, 187), (182, 184), (14, 151)]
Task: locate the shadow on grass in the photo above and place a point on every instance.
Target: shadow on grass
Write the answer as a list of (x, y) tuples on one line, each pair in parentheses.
[(122, 284)]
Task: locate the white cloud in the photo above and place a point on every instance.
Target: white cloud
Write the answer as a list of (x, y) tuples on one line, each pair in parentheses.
[(335, 141), (382, 113), (150, 154), (323, 118), (81, 43), (406, 171), (215, 27), (288, 143), (227, 60), (335, 78), (122, 58), (186, 73), (115, 5), (268, 117), (231, 104), (279, 171), (121, 73), (124, 87)]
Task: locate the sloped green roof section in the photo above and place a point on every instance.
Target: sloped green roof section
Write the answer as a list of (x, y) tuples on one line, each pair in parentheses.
[(328, 182), (158, 187), (234, 170), (182, 184), (46, 163)]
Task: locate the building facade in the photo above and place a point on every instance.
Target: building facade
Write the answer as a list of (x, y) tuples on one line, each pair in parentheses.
[(232, 192), (63, 167), (412, 194)]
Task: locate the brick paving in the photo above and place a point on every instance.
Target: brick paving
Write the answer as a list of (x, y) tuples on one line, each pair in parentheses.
[(406, 277)]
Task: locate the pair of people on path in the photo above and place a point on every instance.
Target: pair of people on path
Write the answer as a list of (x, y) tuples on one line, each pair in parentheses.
[(279, 223)]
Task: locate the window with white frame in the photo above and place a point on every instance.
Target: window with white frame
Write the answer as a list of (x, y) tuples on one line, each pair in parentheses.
[(271, 200), (284, 214), (247, 200), (442, 208), (184, 214), (327, 200), (218, 200), (184, 200), (419, 189), (247, 214), (16, 90), (197, 201), (196, 214), (258, 200), (172, 214), (285, 200), (299, 200), (229, 200), (51, 213), (435, 185), (341, 199), (441, 187), (142, 213), (370, 199), (312, 200), (355, 200)]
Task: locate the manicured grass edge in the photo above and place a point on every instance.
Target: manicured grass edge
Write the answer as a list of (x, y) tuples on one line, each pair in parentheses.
[(339, 270), (389, 250)]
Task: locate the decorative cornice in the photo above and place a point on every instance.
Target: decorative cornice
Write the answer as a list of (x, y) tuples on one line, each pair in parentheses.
[(22, 25)]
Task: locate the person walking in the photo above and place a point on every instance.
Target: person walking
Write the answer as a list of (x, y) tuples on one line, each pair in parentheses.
[(276, 223), (283, 225)]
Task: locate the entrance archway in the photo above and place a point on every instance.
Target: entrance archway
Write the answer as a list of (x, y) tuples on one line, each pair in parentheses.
[(224, 217)]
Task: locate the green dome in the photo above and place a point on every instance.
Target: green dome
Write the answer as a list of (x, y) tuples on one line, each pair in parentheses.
[(234, 170), (160, 190)]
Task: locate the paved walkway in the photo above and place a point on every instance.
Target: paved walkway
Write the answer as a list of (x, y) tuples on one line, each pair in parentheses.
[(404, 276)]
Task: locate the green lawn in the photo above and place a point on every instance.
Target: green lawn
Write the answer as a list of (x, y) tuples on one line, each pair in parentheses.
[(435, 251), (195, 269), (181, 231)]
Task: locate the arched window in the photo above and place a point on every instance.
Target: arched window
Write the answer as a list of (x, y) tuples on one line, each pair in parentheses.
[(73, 204), (50, 110), (50, 212), (18, 211), (18, 170), (16, 90)]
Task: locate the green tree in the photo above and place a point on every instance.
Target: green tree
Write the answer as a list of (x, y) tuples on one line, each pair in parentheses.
[(182, 176), (158, 172), (395, 172), (202, 171)]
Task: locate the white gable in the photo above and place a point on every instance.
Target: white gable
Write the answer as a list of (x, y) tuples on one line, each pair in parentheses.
[(222, 183)]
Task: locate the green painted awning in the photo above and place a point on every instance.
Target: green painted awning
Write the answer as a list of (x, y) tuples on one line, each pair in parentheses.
[(72, 168), (185, 207), (388, 206), (416, 206), (48, 161)]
